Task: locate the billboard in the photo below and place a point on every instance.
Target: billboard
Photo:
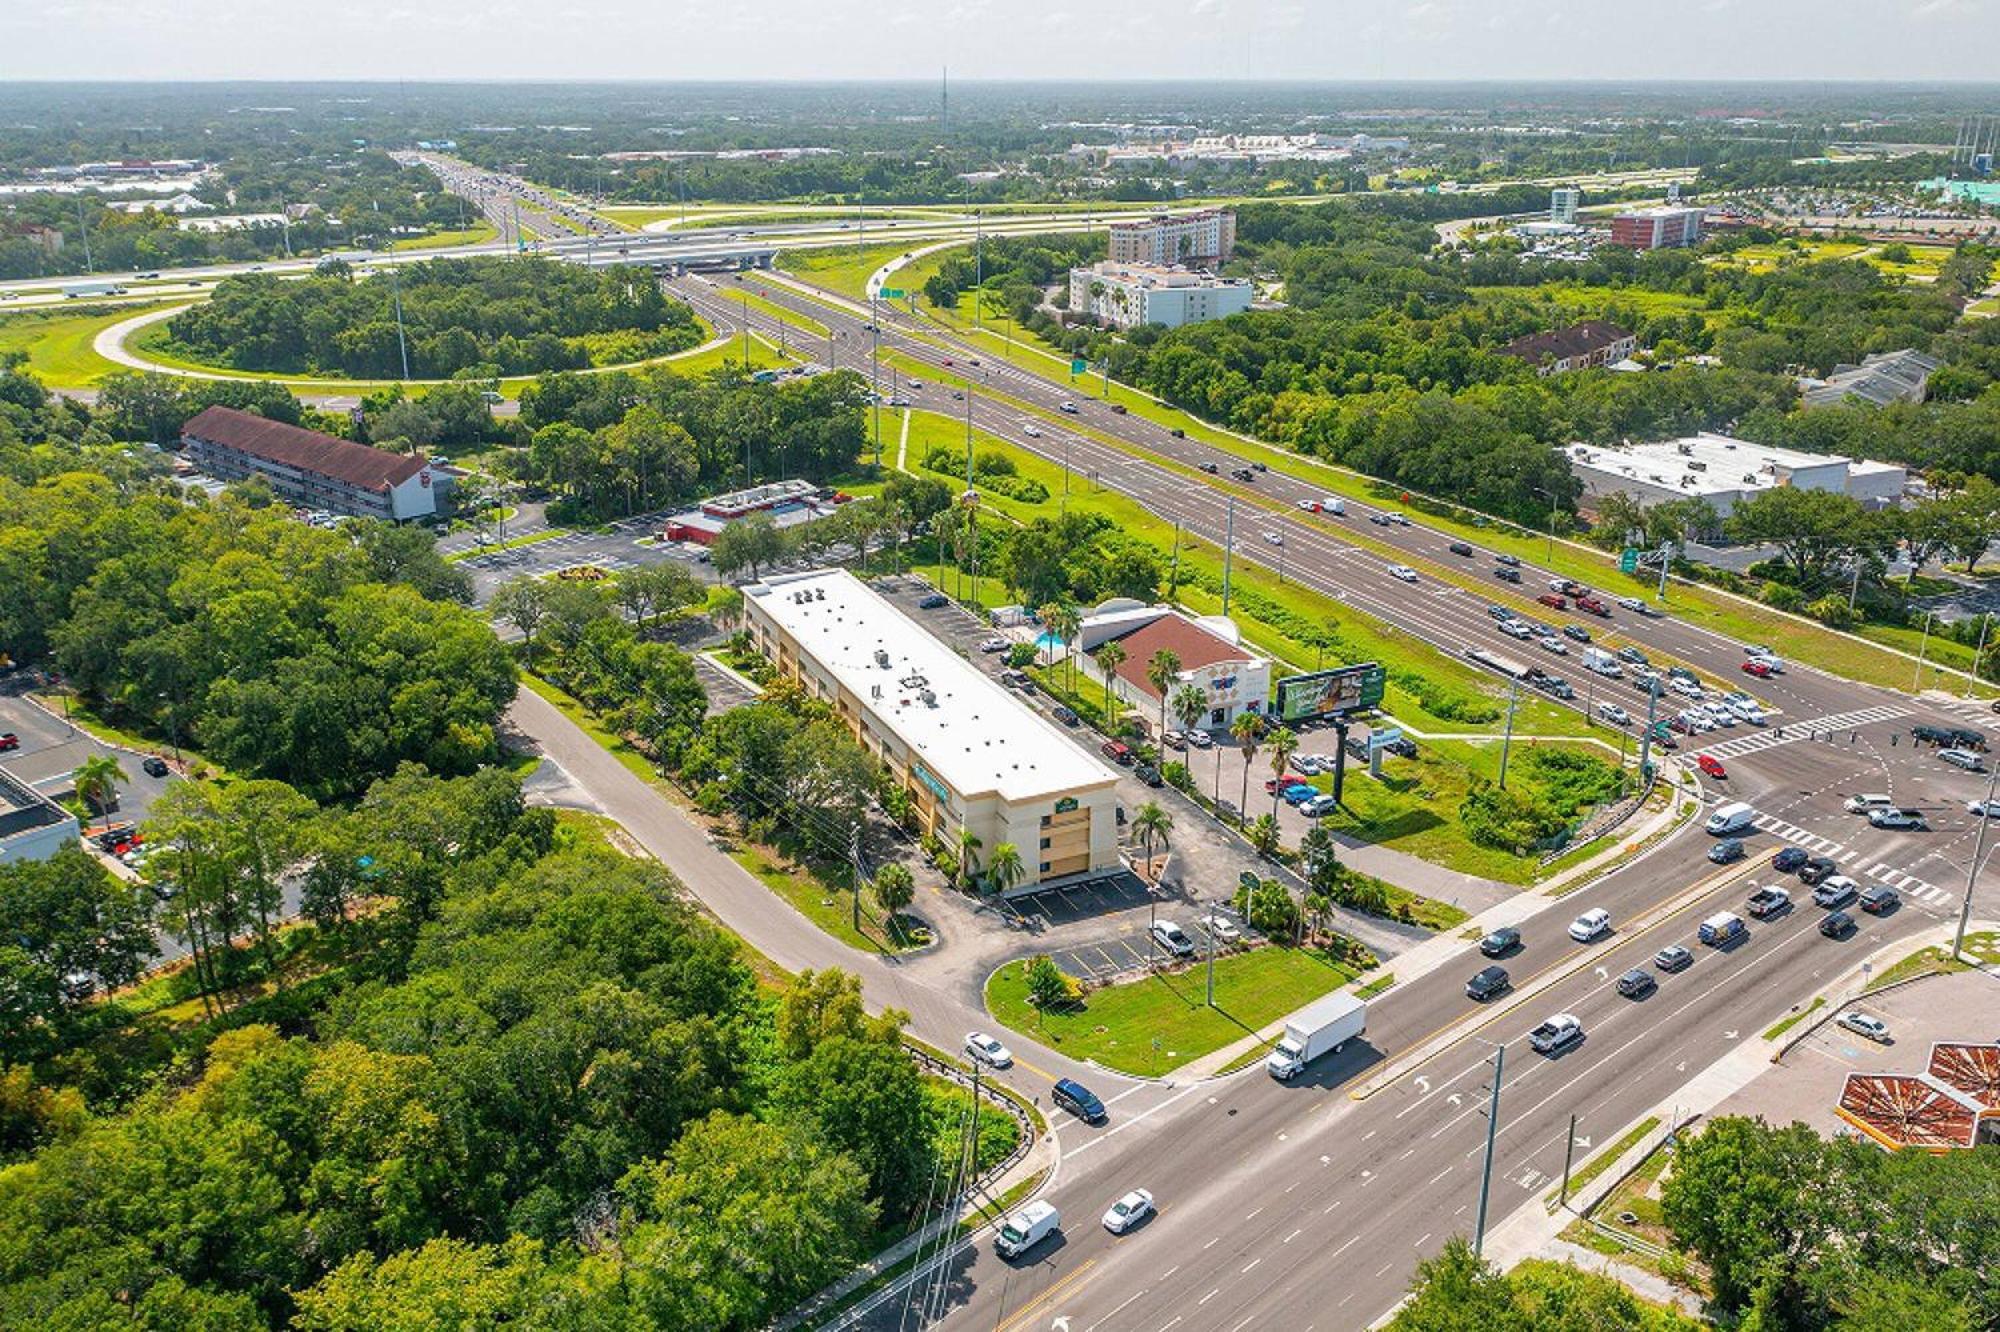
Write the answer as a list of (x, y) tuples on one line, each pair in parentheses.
[(1330, 694)]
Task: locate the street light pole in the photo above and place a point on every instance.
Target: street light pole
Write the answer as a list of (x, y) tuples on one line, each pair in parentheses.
[(1507, 741), (1492, 1132), (1916, 681), (1972, 873), (1985, 623)]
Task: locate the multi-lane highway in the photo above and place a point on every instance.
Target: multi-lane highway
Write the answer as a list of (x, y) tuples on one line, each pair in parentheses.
[(1303, 1206)]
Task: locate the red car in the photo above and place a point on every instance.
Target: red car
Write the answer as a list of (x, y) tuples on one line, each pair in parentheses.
[(8, 740), (1759, 669), (1553, 601), (1593, 606), (1710, 766)]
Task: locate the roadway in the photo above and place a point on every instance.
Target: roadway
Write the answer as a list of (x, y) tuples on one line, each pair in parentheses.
[(1273, 1211)]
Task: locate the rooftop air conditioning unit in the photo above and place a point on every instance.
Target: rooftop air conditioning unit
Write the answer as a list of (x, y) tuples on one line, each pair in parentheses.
[(819, 594), (929, 696), (882, 658)]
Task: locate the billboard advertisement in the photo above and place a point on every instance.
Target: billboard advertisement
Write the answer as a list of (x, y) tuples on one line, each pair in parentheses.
[(1331, 694)]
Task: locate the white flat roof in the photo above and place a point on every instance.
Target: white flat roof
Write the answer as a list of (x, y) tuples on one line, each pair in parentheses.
[(1727, 462), (979, 737)]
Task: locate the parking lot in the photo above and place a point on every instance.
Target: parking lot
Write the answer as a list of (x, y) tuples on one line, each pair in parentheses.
[(1806, 1086), (1131, 949)]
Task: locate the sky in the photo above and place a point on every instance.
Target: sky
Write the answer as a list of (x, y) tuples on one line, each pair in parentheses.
[(1811, 40)]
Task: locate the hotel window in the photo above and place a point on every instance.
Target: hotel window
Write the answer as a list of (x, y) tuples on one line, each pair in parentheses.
[(1045, 845)]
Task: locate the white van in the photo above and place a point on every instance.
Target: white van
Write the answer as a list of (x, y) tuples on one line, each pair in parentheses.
[(1730, 819), (1722, 928), (1026, 1228), (1334, 505), (1597, 659)]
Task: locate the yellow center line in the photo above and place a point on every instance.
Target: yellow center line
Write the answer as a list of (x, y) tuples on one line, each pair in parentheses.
[(1041, 1301)]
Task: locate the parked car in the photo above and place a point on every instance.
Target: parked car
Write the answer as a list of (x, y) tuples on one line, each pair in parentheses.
[(1172, 938), (1223, 928), (1149, 774), (1863, 1024), (1116, 750), (1065, 714), (153, 766), (1500, 942), (1319, 806), (1486, 983), (1174, 740), (1201, 739), (933, 601)]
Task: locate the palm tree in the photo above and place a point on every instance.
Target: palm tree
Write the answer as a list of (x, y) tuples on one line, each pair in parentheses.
[(1246, 729), (968, 855), (1005, 869), (1063, 620), (1161, 671), (1189, 703), (1284, 744), (1110, 656), (1150, 824), (1264, 834), (97, 780)]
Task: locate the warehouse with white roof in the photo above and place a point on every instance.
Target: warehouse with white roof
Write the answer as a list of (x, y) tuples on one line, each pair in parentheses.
[(969, 752), (1725, 472)]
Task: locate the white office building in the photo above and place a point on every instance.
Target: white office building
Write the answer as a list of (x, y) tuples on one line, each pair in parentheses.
[(1128, 295), (32, 826), (971, 754), (1563, 203), (1725, 472)]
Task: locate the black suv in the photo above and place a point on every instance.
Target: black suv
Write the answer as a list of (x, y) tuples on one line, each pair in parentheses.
[(1076, 1098), (1460, 548), (1637, 984), (1788, 859), (1815, 869), (1501, 942), (1487, 983)]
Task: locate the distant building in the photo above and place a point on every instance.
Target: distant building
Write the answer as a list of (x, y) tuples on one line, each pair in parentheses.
[(48, 239), (1196, 240), (971, 754), (1881, 378), (790, 504), (1234, 679), (1128, 295), (1563, 204), (180, 205), (1580, 346), (1725, 472), (312, 469), (1657, 228), (32, 826)]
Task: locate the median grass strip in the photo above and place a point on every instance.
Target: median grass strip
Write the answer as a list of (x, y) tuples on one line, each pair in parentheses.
[(1784, 1025), (1606, 1158), (1155, 1024), (477, 234)]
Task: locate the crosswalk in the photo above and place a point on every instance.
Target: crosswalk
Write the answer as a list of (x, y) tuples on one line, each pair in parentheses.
[(1771, 736), (1855, 864)]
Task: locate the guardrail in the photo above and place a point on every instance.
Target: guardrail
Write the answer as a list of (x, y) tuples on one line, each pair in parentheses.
[(944, 1068)]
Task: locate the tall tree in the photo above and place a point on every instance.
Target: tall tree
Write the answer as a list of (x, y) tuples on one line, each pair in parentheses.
[(97, 780), (1109, 657), (1284, 743), (1151, 824), (1247, 729), (1161, 672)]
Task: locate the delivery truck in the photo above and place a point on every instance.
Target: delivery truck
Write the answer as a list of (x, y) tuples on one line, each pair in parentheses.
[(1317, 1029)]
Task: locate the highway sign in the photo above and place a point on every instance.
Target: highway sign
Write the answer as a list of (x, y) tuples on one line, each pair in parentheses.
[(1334, 693), (1077, 365), (1628, 560), (891, 293)]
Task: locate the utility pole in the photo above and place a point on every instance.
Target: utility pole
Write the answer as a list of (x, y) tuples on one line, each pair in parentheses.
[(1506, 741), (402, 343), (83, 230), (1210, 932), (746, 334), (1569, 1153), (1923, 647), (1666, 563), (978, 268), (1972, 872), (1985, 623), (1652, 714), (1854, 588), (1492, 1131), (1228, 552)]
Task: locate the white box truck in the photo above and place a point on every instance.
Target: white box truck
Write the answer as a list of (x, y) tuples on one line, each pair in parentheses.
[(1597, 659), (1319, 1028)]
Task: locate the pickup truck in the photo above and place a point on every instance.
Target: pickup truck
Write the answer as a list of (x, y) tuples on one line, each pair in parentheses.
[(1591, 605), (1557, 1033), (1768, 902)]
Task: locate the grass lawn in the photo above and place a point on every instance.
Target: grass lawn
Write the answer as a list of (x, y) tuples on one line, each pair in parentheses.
[(58, 343), (847, 268), (1118, 1025), (1608, 1156), (737, 293), (477, 234), (1784, 1025), (1592, 298), (828, 905)]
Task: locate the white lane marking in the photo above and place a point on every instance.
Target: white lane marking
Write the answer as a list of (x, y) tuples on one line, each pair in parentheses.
[(1252, 1263), (1294, 1235)]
